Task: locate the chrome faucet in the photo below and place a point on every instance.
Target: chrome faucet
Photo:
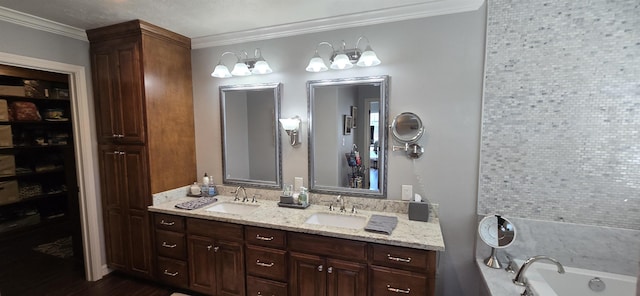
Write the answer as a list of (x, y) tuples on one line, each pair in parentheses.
[(340, 201), (519, 279), (237, 191)]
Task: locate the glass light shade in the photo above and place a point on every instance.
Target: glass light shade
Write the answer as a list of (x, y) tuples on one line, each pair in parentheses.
[(290, 124), (221, 71), (316, 64), (261, 67), (368, 58), (341, 62), (240, 69)]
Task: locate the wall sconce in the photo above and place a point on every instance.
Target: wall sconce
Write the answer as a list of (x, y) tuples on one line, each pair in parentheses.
[(344, 58), (244, 66), (292, 126)]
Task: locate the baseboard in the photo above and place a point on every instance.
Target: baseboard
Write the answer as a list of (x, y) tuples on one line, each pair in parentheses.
[(105, 270)]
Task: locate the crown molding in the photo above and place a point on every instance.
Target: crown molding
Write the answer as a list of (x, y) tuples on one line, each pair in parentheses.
[(38, 23), (408, 12)]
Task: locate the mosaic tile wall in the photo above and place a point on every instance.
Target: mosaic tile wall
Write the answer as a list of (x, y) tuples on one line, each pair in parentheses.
[(561, 114)]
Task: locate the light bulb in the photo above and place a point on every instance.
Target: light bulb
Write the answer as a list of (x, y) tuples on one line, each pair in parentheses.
[(341, 62)]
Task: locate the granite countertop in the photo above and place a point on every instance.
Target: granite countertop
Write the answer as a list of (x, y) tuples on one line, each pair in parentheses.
[(412, 234)]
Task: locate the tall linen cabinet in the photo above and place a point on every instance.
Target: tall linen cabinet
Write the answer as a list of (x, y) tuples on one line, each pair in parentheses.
[(144, 117)]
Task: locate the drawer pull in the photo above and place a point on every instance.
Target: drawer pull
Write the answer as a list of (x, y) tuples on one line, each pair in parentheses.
[(320, 268), (264, 238), (167, 223), (164, 244), (166, 272), (398, 259), (264, 264), (260, 294), (396, 290), (330, 270)]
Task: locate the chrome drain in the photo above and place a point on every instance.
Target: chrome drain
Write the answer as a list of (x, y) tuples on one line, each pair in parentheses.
[(596, 284)]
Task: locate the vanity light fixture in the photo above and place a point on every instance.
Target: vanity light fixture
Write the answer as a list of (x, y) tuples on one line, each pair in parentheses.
[(244, 66), (292, 127), (344, 58)]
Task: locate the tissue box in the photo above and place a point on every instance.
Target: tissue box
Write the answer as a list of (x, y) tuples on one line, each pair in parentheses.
[(7, 165), (418, 211), (8, 192)]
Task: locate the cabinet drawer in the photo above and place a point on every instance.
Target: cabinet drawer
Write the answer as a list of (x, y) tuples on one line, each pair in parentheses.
[(173, 272), (387, 282), (264, 237), (268, 263), (168, 222), (206, 228), (404, 258), (258, 286), (171, 244), (327, 246)]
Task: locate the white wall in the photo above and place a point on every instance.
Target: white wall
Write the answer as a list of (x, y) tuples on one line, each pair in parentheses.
[(436, 70)]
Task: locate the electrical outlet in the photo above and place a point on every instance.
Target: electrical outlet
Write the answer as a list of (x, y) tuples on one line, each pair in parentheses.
[(297, 183), (407, 192)]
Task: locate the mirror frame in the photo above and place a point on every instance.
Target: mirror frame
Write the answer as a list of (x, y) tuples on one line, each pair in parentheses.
[(277, 92), (384, 81)]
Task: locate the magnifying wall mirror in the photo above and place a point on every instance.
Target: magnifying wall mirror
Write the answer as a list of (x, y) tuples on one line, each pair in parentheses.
[(251, 151), (407, 129), (497, 232), (347, 136)]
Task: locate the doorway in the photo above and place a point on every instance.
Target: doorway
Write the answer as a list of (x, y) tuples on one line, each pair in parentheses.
[(84, 150)]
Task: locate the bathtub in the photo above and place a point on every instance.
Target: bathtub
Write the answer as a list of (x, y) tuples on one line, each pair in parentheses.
[(545, 280)]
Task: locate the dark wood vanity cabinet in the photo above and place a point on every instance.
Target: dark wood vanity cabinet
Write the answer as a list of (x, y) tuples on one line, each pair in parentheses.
[(266, 261), (398, 270), (171, 248), (144, 118), (230, 259), (327, 266), (215, 257)]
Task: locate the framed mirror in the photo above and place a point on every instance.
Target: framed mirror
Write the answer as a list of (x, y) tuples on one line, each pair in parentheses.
[(348, 136), (407, 127), (251, 148)]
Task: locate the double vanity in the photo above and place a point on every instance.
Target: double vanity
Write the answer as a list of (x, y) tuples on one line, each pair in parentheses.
[(242, 248)]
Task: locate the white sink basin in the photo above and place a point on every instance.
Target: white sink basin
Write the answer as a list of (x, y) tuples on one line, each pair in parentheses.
[(232, 208), (343, 221)]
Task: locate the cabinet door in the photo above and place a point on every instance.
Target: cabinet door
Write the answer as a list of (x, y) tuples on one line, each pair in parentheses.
[(134, 175), (230, 268), (202, 261), (112, 205), (308, 275), (117, 79), (139, 238), (346, 278)]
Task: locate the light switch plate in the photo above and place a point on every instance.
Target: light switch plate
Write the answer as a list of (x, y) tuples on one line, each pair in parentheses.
[(297, 183), (407, 192)]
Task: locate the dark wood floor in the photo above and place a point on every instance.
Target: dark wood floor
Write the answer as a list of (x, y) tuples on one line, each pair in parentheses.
[(24, 272)]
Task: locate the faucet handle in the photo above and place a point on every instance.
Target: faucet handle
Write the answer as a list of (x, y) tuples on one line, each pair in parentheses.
[(253, 198), (331, 207), (353, 209)]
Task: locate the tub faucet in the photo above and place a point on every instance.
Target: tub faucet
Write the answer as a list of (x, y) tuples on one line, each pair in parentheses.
[(237, 191), (519, 279)]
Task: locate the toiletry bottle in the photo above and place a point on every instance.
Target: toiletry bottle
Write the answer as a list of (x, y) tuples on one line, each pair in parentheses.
[(205, 185), (303, 197), (212, 188)]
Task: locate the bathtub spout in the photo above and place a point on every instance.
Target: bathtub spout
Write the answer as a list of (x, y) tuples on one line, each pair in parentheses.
[(519, 279)]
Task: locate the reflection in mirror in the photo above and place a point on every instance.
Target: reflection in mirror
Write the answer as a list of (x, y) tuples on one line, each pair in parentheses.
[(250, 138), (407, 127), (348, 135)]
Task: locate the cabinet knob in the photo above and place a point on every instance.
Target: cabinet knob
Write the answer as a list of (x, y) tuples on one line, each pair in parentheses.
[(320, 268), (396, 290), (215, 249), (120, 136), (209, 247), (114, 136), (330, 270)]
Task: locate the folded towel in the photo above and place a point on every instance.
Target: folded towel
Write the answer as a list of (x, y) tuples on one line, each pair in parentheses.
[(381, 224)]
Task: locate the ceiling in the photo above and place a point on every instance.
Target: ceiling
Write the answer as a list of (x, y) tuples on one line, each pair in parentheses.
[(218, 22)]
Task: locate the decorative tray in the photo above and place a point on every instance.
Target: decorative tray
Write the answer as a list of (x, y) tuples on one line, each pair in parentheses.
[(293, 206)]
